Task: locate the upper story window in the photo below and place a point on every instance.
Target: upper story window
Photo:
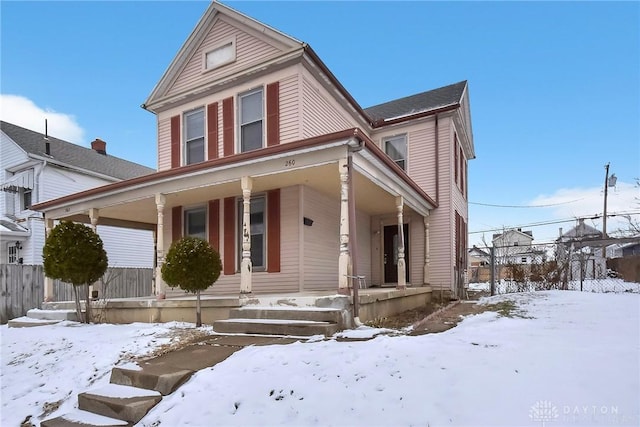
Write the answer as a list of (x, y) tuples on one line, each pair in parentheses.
[(222, 54), (396, 148), (251, 120), (194, 136), (26, 199), (195, 223)]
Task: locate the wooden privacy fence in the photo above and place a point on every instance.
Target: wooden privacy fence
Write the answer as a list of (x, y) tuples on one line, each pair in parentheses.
[(22, 287)]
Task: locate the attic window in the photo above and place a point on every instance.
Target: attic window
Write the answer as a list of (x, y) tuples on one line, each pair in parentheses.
[(222, 54)]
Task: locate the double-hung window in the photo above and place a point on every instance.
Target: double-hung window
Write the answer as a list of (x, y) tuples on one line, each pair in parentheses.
[(396, 148), (251, 120), (12, 254), (26, 199), (194, 136), (257, 231), (195, 223)]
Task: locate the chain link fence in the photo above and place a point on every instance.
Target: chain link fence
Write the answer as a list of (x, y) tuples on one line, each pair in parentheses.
[(567, 265)]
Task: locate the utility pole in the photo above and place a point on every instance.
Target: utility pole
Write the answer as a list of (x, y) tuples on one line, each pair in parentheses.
[(604, 215)]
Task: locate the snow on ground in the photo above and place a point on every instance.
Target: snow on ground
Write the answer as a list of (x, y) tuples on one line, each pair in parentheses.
[(571, 359), (44, 365)]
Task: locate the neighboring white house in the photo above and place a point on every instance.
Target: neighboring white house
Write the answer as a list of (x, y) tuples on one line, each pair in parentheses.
[(513, 246), (34, 168)]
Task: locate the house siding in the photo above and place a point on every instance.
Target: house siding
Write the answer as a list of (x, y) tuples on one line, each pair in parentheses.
[(164, 149), (321, 240), (289, 106), (287, 280), (321, 114), (249, 49), (289, 123)]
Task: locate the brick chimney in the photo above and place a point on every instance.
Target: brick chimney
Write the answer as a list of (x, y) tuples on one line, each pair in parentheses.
[(99, 146)]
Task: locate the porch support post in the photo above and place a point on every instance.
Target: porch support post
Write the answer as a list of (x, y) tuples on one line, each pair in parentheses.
[(48, 281), (427, 251), (94, 215), (160, 286), (344, 258), (246, 266), (402, 265)]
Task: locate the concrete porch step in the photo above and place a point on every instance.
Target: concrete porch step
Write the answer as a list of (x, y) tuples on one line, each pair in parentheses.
[(119, 401), (59, 314), (79, 418), (275, 327), (332, 315), (28, 322), (163, 379)]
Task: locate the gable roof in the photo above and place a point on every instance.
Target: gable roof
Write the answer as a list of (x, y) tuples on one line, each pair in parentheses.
[(198, 35), (424, 102), (528, 234), (68, 154), (582, 230)]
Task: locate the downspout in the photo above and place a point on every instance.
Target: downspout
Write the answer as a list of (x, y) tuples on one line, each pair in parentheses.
[(437, 164), (353, 234)]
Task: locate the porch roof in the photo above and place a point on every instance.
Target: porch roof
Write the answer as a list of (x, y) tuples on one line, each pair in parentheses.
[(131, 203)]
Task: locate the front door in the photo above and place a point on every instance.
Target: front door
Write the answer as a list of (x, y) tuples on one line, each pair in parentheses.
[(391, 242)]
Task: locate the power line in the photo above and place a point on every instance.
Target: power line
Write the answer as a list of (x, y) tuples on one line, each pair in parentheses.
[(551, 222), (525, 206)]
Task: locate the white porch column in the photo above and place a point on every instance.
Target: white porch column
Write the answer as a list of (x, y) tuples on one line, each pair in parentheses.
[(48, 281), (427, 251), (246, 266), (160, 286), (94, 215), (402, 265), (344, 258)]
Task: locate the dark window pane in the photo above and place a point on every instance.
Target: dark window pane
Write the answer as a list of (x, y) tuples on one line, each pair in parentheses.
[(195, 151), (251, 136)]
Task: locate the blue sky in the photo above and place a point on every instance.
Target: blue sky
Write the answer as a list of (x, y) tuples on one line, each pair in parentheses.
[(554, 86)]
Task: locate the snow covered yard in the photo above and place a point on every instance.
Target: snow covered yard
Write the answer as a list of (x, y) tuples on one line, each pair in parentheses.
[(45, 367), (561, 358)]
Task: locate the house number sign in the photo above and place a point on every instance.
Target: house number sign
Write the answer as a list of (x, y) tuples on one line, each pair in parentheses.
[(289, 163)]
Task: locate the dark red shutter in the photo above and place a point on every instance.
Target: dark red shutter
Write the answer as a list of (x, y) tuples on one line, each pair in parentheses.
[(273, 231), (227, 126), (455, 159), (273, 114), (176, 223), (466, 181), (214, 224), (212, 130), (229, 236), (175, 142)]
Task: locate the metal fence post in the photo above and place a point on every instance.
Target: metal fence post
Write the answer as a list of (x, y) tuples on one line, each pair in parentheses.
[(493, 271)]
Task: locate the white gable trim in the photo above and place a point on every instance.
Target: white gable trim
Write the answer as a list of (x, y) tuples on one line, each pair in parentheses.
[(213, 12)]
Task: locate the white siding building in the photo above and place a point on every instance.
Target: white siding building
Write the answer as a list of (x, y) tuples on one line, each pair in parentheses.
[(35, 168)]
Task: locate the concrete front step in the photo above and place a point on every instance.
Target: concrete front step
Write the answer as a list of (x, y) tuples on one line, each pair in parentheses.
[(163, 379), (275, 327), (119, 401), (79, 418), (28, 322), (332, 315), (62, 314)]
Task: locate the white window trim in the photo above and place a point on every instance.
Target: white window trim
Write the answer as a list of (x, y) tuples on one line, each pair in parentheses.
[(238, 129), (406, 146), (185, 150), (230, 40), (12, 253)]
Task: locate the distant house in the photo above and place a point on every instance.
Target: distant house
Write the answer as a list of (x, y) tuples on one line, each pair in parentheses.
[(265, 154), (478, 257), (34, 168), (581, 252), (514, 246)]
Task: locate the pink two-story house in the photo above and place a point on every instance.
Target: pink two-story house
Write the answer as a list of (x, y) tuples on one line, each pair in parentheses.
[(265, 154)]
